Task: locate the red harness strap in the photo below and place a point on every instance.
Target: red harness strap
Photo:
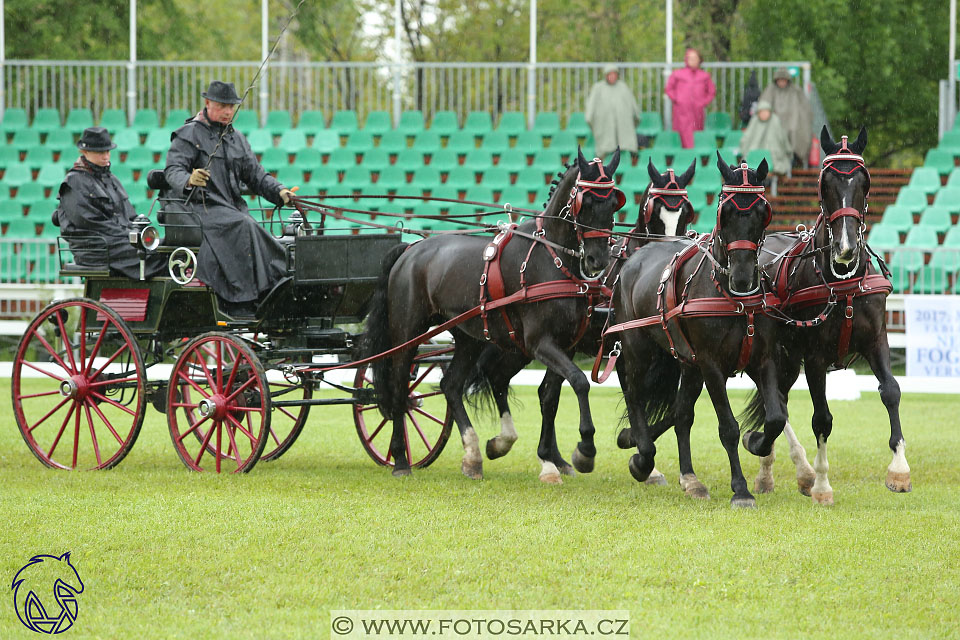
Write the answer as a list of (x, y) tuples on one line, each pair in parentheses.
[(491, 282)]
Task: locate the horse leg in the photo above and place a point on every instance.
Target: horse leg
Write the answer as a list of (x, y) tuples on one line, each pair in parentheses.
[(798, 455), (400, 380), (691, 384), (625, 437), (641, 464), (453, 385), (816, 374), (499, 372), (729, 435), (898, 473), (555, 359), (547, 451), (775, 418)]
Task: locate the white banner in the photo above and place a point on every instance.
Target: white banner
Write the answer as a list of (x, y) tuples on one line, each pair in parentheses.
[(933, 336)]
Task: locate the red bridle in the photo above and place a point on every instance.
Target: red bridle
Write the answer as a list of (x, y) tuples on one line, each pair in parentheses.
[(729, 192), (829, 163), (672, 190), (603, 187)]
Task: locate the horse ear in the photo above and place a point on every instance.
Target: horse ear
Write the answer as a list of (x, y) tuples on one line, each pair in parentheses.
[(582, 163), (687, 176), (614, 163), (762, 170), (652, 171), (860, 143), (725, 170), (826, 142)]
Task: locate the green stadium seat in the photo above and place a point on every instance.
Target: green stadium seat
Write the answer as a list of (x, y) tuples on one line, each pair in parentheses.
[(547, 123), (921, 238), (514, 196), (731, 138), (901, 277), (140, 158), (756, 156), (274, 159), (930, 280), (376, 159), (290, 176), (529, 142), (650, 125), (411, 123), (948, 198), (342, 158), (25, 139), (950, 142), (393, 179), (278, 121), (176, 118), (682, 159), (60, 140), (937, 218), (461, 177), (497, 178), (293, 140), (940, 160), (478, 160), (145, 121), (461, 142), (444, 159), (22, 228), (377, 123), (113, 120), (359, 141), (158, 141), (14, 119), (51, 176), (326, 141), (37, 156), (78, 120), (531, 178), (705, 139), (718, 121), (946, 259), (548, 160), (513, 160), (30, 191), (123, 173), (393, 141), (46, 120), (658, 157), (356, 178), (883, 237), (730, 155), (409, 159), (577, 125), (446, 191), (512, 123), (126, 139), (427, 142), (344, 122), (667, 140), (897, 217), (927, 179), (444, 123), (244, 121), (322, 175), (426, 178), (16, 176), (311, 122), (565, 143), (478, 123), (914, 200), (484, 194), (260, 140), (496, 141), (952, 238), (9, 156), (706, 220)]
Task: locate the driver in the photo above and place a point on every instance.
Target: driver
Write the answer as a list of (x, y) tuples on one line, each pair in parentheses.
[(208, 164), (94, 213)]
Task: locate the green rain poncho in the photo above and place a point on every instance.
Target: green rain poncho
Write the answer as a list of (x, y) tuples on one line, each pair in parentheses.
[(769, 135), (612, 114), (793, 108)]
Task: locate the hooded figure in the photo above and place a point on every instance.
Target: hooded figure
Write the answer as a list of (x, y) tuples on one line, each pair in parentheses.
[(766, 132), (690, 89), (751, 94), (792, 106), (612, 114), (209, 162), (94, 213)]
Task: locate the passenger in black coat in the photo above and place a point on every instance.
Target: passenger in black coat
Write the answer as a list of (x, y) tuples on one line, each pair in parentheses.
[(209, 162), (94, 214)]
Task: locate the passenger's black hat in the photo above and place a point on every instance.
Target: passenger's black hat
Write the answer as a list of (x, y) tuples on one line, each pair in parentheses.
[(223, 92), (95, 139)]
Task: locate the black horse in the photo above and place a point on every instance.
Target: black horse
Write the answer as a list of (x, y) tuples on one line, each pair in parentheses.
[(834, 259), (440, 278), (664, 212), (691, 314)]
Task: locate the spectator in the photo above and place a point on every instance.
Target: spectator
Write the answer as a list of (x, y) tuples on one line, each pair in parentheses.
[(690, 89), (612, 114), (793, 108), (766, 132), (750, 97)]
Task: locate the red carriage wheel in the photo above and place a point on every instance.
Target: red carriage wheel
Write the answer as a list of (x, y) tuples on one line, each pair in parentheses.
[(78, 386), (428, 419), (286, 423), (218, 405)]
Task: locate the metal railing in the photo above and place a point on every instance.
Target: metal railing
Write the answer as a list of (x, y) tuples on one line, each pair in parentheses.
[(362, 87)]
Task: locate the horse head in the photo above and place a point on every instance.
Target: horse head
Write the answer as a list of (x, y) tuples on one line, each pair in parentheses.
[(594, 202), (743, 214), (844, 186), (666, 210)]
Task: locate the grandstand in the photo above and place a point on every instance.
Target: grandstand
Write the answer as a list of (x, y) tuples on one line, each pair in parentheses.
[(471, 156)]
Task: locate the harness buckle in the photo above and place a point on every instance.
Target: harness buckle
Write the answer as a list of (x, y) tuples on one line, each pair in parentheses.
[(486, 334), (540, 233), (483, 279), (848, 312), (523, 266), (740, 308), (585, 288), (616, 351), (557, 262), (750, 330)]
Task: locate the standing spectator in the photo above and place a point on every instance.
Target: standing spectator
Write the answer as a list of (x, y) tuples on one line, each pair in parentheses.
[(750, 97), (612, 114), (690, 89), (766, 132), (793, 108)]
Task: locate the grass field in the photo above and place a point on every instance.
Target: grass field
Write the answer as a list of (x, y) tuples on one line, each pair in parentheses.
[(164, 552)]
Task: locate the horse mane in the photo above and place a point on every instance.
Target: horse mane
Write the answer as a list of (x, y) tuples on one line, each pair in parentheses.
[(561, 184)]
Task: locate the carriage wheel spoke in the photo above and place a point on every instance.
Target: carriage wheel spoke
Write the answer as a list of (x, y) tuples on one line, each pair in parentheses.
[(233, 375), (284, 411), (192, 428), (53, 353), (109, 360), (112, 402), (38, 395), (66, 340), (45, 372), (367, 408), (233, 445), (193, 384), (274, 436), (204, 443), (101, 383), (219, 433), (76, 436), (96, 349), (93, 433), (425, 374), (420, 431), (239, 390), (432, 417), (379, 427), (219, 370), (203, 367), (48, 414), (63, 426), (82, 353), (430, 394), (105, 421), (237, 424)]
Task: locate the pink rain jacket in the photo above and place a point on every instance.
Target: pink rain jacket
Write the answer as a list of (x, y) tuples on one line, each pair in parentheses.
[(690, 90)]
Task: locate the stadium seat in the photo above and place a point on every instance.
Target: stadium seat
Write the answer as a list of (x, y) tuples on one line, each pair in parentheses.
[(359, 141), (897, 217), (914, 200), (478, 123), (14, 119), (478, 160), (901, 277), (444, 123), (682, 159), (461, 177), (940, 160), (731, 138), (577, 125), (950, 142), (126, 139), (393, 141), (78, 120), (497, 178), (565, 144), (244, 121), (409, 159), (293, 140), (393, 179), (426, 178), (25, 139), (946, 260), (46, 120), (705, 139), (344, 122), (650, 124), (375, 159), (658, 157), (322, 175), (484, 194), (176, 118), (37, 156), (60, 140), (342, 158), (158, 141), (667, 140), (921, 238), (512, 123), (427, 142), (140, 158), (930, 279), (952, 238), (948, 198), (513, 160), (548, 160), (326, 141), (51, 176), (496, 142), (113, 120), (278, 121), (377, 123), (290, 176), (529, 142), (311, 122), (938, 218), (515, 197), (145, 121), (927, 179), (444, 160), (16, 176), (718, 121), (274, 159), (531, 178), (547, 123), (8, 156), (883, 237), (411, 123), (260, 140), (356, 178), (461, 142), (756, 156)]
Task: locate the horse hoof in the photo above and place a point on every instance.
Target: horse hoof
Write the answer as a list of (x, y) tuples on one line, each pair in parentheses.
[(494, 450), (752, 440), (824, 498), (899, 482), (692, 487), (656, 478), (401, 473), (625, 439), (805, 482), (743, 503), (582, 463), (474, 471), (763, 485), (551, 477), (566, 469), (636, 468)]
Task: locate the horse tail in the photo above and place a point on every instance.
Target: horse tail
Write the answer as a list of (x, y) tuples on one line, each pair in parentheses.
[(754, 415), (479, 391), (377, 336), (659, 385)]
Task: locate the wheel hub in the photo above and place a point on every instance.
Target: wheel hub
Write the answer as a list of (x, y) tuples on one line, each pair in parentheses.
[(76, 387), (214, 407)]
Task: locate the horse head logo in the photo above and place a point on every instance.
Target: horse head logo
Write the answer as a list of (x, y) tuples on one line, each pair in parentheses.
[(45, 593)]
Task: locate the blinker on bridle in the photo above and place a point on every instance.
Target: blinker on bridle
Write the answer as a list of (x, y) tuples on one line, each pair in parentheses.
[(672, 190), (728, 193), (829, 163)]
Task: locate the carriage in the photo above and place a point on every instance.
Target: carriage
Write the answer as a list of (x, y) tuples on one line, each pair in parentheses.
[(234, 391)]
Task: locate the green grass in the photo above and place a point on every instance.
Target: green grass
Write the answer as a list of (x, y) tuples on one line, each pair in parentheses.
[(164, 552)]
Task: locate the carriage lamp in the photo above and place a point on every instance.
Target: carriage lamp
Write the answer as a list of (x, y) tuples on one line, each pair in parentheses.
[(145, 237)]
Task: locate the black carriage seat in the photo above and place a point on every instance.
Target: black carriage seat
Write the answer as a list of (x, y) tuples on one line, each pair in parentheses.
[(180, 225)]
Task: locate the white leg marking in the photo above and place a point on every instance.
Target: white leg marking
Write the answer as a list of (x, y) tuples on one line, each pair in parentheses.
[(471, 445), (898, 473), (692, 486), (822, 492), (549, 473), (764, 480), (899, 462), (798, 455)]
